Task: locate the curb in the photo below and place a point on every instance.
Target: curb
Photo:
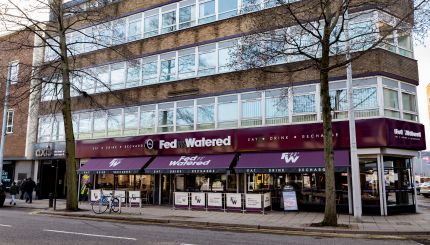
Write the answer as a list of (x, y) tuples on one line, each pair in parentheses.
[(308, 231)]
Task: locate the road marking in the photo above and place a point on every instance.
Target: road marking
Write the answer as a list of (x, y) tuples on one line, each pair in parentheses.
[(94, 235), (5, 225)]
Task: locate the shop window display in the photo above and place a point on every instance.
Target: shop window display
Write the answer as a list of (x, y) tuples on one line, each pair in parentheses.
[(369, 185)]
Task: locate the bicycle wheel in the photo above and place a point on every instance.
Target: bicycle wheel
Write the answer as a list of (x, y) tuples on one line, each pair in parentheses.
[(114, 205), (98, 207)]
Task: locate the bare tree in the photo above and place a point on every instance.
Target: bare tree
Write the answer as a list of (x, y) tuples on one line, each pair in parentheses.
[(61, 40), (317, 35)]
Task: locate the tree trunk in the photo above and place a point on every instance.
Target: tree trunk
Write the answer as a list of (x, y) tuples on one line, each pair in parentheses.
[(71, 175), (330, 216)]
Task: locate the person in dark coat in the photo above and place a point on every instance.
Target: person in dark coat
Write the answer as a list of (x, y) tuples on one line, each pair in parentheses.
[(14, 190), (21, 185), (29, 187)]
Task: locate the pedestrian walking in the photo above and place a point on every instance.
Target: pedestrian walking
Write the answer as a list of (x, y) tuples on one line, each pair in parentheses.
[(14, 190), (29, 187), (21, 188)]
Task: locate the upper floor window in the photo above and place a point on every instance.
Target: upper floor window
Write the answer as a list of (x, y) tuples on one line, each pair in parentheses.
[(9, 122), (12, 74)]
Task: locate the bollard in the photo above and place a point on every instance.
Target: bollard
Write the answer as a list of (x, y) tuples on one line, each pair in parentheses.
[(51, 200)]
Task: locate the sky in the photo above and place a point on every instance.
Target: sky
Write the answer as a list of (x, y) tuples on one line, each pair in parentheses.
[(422, 54)]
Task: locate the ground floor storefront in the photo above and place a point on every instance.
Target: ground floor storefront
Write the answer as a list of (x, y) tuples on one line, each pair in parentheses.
[(258, 169)]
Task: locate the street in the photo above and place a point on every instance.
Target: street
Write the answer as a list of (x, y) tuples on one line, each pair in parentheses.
[(20, 226)]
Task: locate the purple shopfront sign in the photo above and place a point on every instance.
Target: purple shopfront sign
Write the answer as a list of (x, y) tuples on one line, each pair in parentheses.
[(379, 132), (114, 165), (191, 164), (281, 162)]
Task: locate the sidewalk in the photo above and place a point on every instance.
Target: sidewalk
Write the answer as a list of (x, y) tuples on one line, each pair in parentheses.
[(408, 224)]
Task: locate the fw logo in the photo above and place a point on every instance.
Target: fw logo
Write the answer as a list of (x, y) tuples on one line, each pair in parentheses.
[(233, 200), (290, 157), (198, 199), (115, 162)]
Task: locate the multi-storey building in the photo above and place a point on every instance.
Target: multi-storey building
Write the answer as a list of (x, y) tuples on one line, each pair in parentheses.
[(178, 121), (16, 68)]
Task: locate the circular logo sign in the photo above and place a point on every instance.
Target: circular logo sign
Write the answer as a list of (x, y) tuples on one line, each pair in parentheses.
[(149, 144)]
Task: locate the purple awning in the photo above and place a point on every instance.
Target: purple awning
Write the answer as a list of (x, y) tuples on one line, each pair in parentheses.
[(130, 165), (191, 164), (282, 162)]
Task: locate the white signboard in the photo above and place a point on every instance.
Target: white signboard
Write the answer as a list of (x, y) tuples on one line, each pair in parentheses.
[(290, 200), (215, 200), (181, 198), (253, 201), (267, 200), (234, 200), (198, 199), (95, 195), (134, 196), (120, 195)]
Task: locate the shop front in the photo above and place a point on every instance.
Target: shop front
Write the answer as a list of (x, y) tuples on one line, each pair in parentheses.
[(255, 164)]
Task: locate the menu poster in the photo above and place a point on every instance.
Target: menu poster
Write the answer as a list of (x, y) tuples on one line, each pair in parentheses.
[(253, 201), (181, 198), (215, 200), (290, 200)]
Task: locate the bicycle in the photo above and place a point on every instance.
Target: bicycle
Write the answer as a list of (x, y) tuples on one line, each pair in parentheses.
[(106, 202)]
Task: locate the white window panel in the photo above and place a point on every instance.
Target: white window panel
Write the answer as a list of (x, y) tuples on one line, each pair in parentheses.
[(9, 121), (187, 14), (206, 11), (134, 29), (13, 69)]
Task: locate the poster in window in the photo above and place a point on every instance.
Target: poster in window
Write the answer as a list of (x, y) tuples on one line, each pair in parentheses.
[(253, 201), (215, 200), (181, 198)]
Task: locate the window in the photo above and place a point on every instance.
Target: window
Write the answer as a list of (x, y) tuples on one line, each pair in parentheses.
[(187, 14), (339, 103), (85, 125), (206, 11), (114, 122), (185, 115), (58, 129), (151, 23), (76, 85), (227, 8), (88, 82), (304, 108), (90, 39), (250, 5), (99, 124), (117, 75), (102, 79), (409, 106), (12, 74), (134, 27), (227, 111), (168, 19), (251, 109), (365, 102), (131, 120), (225, 56), (205, 113), (104, 36), (207, 60), (276, 107), (168, 67), (391, 103), (9, 121), (147, 119), (45, 129), (133, 73), (165, 117), (186, 63), (150, 69)]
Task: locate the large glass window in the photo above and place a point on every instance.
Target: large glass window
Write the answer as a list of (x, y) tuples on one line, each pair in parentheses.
[(226, 8), (251, 5), (114, 122), (134, 27), (103, 83), (205, 113), (227, 111), (409, 106), (185, 115), (207, 60), (84, 125), (58, 129), (276, 107), (186, 63), (118, 33), (149, 70), (168, 20), (251, 109), (99, 124), (165, 117), (168, 67), (147, 119), (117, 75), (365, 102), (304, 108), (369, 185), (133, 73), (45, 129), (88, 82), (391, 103), (339, 103), (151, 24), (131, 120), (226, 56), (206, 11), (187, 14)]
